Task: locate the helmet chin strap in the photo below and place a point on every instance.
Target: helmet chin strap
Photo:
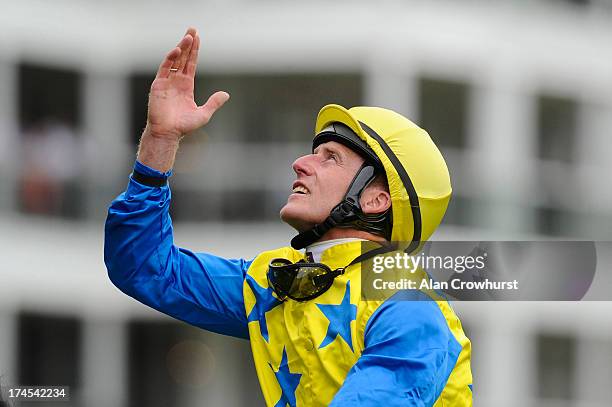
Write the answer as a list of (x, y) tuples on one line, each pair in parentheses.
[(348, 213)]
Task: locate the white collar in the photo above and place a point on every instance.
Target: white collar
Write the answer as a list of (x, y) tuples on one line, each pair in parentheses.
[(316, 249)]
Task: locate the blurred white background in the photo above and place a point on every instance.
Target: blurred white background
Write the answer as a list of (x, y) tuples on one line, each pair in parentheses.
[(517, 94)]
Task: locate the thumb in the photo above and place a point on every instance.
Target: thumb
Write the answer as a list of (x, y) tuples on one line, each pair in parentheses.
[(205, 112)]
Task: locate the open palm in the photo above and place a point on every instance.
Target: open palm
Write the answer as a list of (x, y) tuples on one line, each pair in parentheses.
[(172, 108)]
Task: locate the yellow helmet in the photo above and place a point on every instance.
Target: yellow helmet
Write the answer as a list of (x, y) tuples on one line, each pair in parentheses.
[(419, 182)]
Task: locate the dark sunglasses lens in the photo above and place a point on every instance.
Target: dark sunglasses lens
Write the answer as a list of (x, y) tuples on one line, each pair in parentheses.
[(281, 279), (297, 281), (308, 282)]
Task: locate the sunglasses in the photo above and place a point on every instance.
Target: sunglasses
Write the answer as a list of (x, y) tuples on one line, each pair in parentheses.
[(300, 281), (304, 281)]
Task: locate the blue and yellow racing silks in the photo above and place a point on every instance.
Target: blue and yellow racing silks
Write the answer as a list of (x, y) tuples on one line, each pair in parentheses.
[(337, 349)]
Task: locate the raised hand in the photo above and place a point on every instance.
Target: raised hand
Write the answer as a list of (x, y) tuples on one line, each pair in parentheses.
[(173, 111)]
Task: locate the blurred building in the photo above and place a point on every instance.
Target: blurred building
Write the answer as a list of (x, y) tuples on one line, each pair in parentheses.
[(517, 94)]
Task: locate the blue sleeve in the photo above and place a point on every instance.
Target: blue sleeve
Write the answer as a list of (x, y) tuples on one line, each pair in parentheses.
[(143, 262), (408, 356)]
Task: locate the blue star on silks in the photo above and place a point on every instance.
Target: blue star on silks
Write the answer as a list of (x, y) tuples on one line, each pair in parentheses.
[(288, 382), (264, 302), (340, 317)]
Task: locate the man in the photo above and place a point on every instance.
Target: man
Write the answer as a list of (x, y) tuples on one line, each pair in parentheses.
[(372, 176)]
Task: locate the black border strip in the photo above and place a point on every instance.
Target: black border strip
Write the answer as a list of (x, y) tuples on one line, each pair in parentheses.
[(148, 180), (412, 195)]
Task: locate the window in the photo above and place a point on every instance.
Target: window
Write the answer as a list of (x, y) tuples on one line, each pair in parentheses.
[(49, 350), (150, 383), (557, 126), (443, 111), (556, 365), (49, 93), (279, 108), (50, 112), (556, 131), (172, 364)]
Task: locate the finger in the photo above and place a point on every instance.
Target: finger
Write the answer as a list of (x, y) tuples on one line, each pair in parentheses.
[(191, 31), (205, 112), (186, 45), (168, 62), (192, 60)]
